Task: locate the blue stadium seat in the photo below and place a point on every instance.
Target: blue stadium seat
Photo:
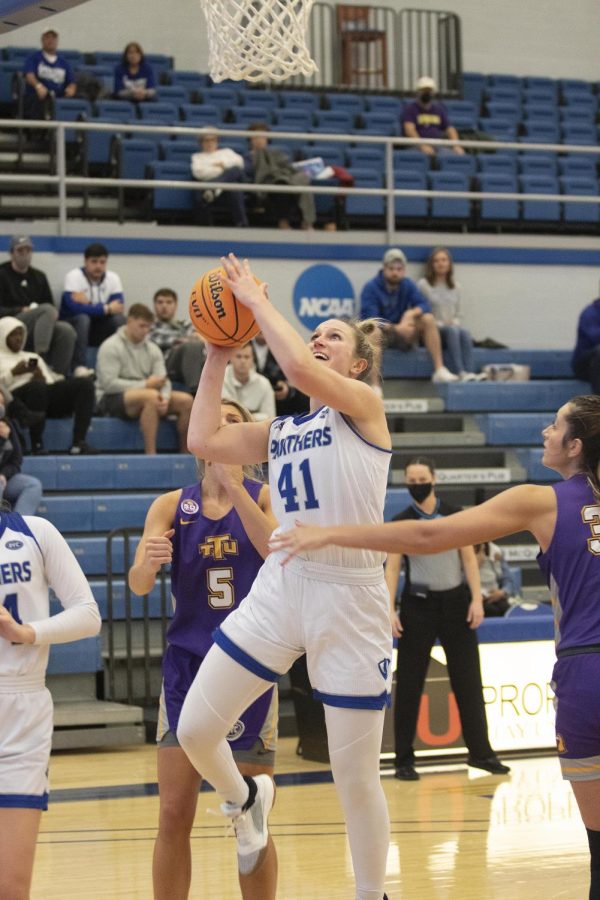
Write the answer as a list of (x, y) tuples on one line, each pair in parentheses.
[(381, 123), (579, 133), (576, 114), (262, 99), (172, 93), (499, 129), (411, 160), (133, 157), (580, 99), (68, 109), (499, 79), (537, 164), (193, 82), (115, 110), (178, 151), (536, 113), (580, 212), (76, 59), (361, 207), (540, 96), (304, 99), (503, 109), (98, 145), (157, 112), (473, 86), (451, 162), (448, 207), (366, 157), (350, 103), (220, 95), (161, 63), (8, 69), (76, 657), (331, 153), (539, 210), (503, 94), (104, 74), (574, 85), (335, 121), (18, 54), (410, 207), (521, 396), (107, 57), (199, 114), (491, 210), (577, 165), (462, 113), (384, 103), (295, 118), (170, 200), (539, 133), (497, 162), (248, 115)]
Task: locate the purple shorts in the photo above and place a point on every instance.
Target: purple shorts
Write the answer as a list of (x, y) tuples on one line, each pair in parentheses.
[(575, 682), (257, 725)]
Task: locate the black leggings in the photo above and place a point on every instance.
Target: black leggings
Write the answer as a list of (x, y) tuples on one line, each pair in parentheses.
[(72, 396)]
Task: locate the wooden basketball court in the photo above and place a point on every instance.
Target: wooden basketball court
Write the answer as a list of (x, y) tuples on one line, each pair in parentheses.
[(455, 833)]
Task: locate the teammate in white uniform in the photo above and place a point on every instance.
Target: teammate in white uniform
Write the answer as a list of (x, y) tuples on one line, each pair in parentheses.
[(33, 557), (331, 463)]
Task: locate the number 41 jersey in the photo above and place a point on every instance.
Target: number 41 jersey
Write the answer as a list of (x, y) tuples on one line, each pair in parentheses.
[(322, 472)]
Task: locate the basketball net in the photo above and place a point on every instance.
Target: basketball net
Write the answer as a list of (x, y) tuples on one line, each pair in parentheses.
[(258, 40)]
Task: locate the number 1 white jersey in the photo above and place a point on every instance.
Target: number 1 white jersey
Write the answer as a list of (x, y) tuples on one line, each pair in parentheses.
[(322, 472), (34, 556)]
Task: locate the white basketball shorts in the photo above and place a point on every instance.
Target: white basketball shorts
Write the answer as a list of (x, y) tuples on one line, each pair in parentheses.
[(25, 741), (339, 617)]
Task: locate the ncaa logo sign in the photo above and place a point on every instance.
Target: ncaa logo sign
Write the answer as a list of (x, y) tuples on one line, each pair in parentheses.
[(323, 292)]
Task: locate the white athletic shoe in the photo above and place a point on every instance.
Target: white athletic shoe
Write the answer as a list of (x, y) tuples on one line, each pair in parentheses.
[(251, 825), (468, 376), (443, 376)]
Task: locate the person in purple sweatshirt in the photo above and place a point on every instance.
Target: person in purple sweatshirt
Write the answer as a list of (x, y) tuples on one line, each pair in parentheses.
[(585, 361)]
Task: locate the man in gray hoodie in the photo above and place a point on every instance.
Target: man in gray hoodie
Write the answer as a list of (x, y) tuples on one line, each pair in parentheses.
[(132, 382)]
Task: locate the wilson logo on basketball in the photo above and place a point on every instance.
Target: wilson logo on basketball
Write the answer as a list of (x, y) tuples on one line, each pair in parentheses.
[(216, 289)]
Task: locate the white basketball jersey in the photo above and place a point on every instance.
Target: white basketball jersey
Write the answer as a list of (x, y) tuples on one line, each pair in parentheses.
[(322, 472), (33, 557)]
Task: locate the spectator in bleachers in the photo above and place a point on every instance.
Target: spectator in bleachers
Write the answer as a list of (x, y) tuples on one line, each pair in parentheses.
[(92, 302), (214, 163), (132, 380), (25, 294), (134, 77), (585, 361), (406, 313), (288, 399), (47, 75), (245, 385), (23, 492), (497, 583), (44, 394), (265, 165), (181, 345), (426, 118), (442, 291)]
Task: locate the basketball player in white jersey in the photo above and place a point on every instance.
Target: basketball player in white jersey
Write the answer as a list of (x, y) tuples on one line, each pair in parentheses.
[(330, 463), (33, 557)]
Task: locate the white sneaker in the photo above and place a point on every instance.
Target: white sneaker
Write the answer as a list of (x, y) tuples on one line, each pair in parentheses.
[(83, 372), (251, 825), (443, 376), (482, 376), (468, 376)]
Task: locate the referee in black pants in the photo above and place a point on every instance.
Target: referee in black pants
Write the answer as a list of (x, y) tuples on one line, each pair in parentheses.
[(437, 603)]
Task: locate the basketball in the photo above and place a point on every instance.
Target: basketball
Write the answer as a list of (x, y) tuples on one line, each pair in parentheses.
[(217, 315)]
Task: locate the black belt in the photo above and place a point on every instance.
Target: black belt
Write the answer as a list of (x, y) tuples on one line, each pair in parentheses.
[(577, 651)]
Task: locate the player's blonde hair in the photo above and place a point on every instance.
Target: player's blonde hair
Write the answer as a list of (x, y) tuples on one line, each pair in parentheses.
[(583, 421), (368, 344), (255, 472)]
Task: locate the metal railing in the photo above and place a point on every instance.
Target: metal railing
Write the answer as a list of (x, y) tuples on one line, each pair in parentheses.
[(63, 181)]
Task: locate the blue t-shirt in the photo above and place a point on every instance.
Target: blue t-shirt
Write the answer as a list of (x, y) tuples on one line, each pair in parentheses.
[(430, 122), (55, 76), (125, 82), (588, 331), (376, 301)]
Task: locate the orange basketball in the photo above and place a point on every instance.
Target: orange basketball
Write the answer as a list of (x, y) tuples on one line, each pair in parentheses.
[(217, 315)]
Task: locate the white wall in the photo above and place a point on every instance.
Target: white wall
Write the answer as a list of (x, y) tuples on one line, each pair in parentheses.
[(541, 37), (521, 306)]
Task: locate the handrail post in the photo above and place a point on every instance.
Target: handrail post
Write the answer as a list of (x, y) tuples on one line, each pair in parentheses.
[(61, 171), (390, 200)]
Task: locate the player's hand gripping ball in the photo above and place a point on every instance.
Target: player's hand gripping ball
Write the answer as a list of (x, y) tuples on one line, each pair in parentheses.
[(217, 315)]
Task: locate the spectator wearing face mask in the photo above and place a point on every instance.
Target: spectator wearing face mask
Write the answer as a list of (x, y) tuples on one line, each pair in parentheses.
[(427, 118)]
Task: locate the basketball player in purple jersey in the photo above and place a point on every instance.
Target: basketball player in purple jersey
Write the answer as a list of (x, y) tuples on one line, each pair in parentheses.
[(565, 520), (331, 462), (214, 534)]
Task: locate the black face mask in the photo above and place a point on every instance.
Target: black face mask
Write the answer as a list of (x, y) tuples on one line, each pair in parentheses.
[(425, 96), (420, 492)]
